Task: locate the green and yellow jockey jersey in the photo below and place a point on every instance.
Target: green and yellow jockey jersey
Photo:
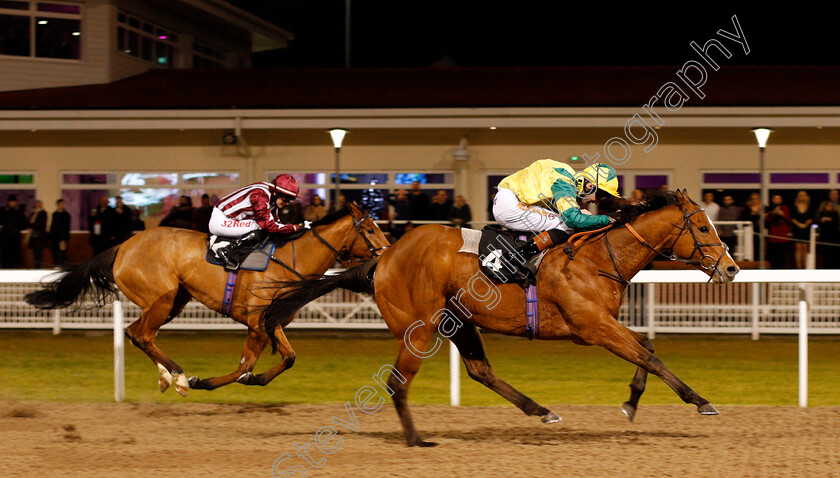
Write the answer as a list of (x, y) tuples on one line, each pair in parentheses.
[(551, 184)]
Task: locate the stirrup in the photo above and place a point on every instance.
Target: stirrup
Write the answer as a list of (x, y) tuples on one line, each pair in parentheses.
[(227, 262)]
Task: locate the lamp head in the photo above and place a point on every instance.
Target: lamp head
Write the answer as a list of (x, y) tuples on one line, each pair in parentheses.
[(337, 135), (761, 135)]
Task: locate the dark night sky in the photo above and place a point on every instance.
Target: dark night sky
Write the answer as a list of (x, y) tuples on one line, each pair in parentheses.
[(417, 34)]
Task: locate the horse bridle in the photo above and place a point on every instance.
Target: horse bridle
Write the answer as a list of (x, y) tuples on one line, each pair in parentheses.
[(343, 258), (698, 247)]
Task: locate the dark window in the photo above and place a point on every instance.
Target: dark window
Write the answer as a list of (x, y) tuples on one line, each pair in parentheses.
[(121, 39), (10, 5), (799, 178), (731, 178), (650, 181), (147, 49), (59, 8), (133, 44), (146, 41), (15, 35), (57, 38)]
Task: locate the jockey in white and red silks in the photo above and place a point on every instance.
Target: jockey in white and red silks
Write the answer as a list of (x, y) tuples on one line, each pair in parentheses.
[(250, 213)]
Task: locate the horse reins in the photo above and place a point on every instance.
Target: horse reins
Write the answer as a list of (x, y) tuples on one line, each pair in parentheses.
[(698, 247), (339, 256)]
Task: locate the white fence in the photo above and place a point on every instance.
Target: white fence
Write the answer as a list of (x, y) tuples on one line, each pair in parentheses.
[(656, 302), (755, 302)]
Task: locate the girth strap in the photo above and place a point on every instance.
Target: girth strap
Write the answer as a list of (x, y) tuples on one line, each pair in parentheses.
[(532, 313), (227, 298)]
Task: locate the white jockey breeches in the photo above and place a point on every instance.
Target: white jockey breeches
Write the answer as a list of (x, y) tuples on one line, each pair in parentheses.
[(222, 225), (513, 214)]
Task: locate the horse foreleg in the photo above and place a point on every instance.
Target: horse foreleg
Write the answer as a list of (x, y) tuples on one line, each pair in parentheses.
[(637, 386), (254, 345), (608, 333), (288, 354), (407, 365), (471, 347)]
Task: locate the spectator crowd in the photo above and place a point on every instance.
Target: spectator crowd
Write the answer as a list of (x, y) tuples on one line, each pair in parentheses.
[(107, 226), (415, 205), (787, 226), (15, 221)]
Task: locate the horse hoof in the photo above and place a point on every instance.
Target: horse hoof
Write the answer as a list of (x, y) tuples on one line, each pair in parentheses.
[(629, 411), (245, 378), (193, 380), (550, 417), (165, 379), (707, 409), (182, 385)]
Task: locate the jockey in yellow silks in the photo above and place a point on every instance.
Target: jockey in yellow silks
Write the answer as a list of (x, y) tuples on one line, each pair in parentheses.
[(543, 198)]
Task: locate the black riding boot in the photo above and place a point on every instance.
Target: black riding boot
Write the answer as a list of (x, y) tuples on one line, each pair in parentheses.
[(539, 243), (235, 252)]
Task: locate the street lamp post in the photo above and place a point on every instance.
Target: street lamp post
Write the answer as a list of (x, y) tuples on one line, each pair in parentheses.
[(761, 135), (337, 135)]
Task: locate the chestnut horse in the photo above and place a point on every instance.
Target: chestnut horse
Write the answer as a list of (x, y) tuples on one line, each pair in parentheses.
[(162, 268), (423, 283)]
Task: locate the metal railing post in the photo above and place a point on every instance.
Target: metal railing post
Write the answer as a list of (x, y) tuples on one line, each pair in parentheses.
[(56, 322), (650, 291), (803, 348), (119, 352), (754, 292)]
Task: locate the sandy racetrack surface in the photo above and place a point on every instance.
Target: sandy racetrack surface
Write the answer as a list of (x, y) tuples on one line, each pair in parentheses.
[(184, 440)]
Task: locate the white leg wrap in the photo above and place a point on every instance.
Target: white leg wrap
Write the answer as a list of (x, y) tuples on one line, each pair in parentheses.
[(182, 385), (165, 378)]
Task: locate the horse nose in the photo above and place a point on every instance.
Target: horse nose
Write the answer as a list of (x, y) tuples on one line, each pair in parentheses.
[(732, 270)]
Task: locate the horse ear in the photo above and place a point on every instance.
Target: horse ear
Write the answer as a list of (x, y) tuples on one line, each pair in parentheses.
[(355, 209)]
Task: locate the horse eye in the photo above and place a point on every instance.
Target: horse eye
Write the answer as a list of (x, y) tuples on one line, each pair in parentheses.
[(370, 231), (704, 229)]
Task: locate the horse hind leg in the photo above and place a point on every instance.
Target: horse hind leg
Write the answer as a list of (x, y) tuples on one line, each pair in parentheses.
[(142, 334), (471, 347), (637, 386)]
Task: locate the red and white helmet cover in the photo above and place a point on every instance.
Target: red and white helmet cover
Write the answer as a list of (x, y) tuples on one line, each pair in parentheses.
[(286, 184)]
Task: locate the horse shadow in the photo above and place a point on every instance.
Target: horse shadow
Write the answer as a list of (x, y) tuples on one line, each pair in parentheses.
[(525, 436)]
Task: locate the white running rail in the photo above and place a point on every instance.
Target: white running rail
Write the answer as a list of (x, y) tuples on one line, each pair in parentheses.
[(778, 301)]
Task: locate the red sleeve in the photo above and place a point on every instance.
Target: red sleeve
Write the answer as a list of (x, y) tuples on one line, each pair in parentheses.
[(262, 214)]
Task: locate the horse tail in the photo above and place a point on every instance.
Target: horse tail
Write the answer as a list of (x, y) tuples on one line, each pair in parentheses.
[(94, 278), (293, 295)]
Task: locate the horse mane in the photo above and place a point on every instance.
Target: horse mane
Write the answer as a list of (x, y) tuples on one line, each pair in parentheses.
[(332, 217), (652, 202)]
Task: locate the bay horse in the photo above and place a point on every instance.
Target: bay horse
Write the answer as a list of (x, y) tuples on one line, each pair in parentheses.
[(420, 285), (162, 268)]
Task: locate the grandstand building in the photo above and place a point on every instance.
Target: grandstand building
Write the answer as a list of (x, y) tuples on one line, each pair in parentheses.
[(173, 118)]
